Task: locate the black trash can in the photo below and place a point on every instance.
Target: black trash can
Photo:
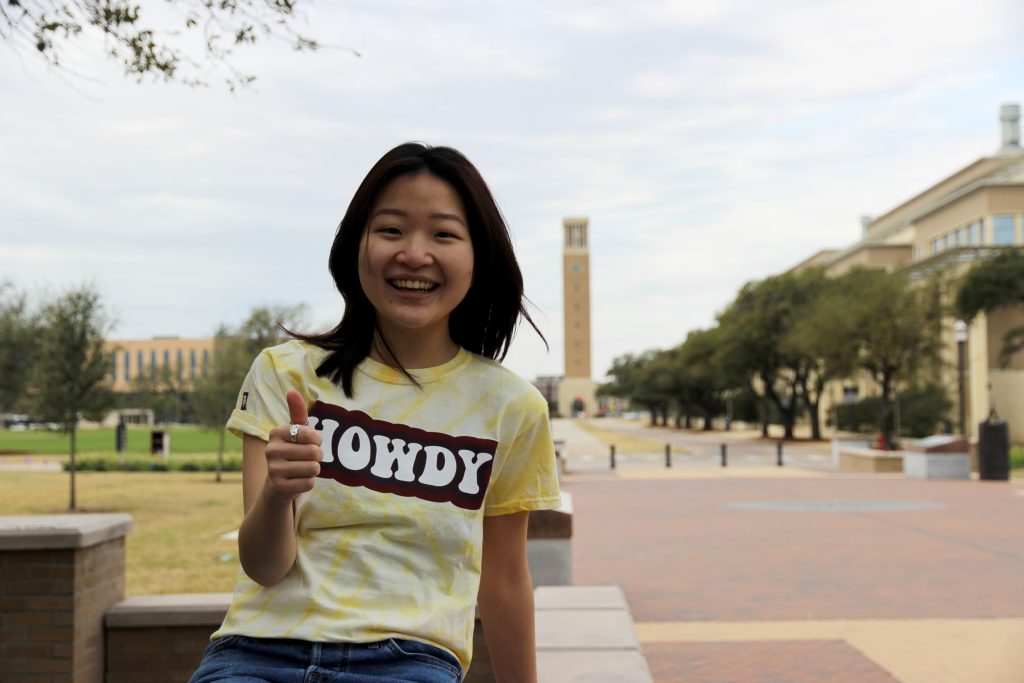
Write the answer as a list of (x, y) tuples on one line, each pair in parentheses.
[(160, 442), (993, 449)]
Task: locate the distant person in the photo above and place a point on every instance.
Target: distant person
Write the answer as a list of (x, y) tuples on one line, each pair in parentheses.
[(390, 464)]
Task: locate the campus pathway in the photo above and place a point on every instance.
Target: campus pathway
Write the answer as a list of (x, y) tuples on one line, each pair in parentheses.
[(760, 574)]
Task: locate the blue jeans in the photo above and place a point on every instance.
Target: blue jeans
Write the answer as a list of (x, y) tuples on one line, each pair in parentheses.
[(272, 660)]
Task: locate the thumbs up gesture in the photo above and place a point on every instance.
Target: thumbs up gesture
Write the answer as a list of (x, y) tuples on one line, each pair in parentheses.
[(293, 453)]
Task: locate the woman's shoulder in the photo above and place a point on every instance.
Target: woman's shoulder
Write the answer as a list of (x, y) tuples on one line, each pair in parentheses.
[(514, 388), (294, 354)]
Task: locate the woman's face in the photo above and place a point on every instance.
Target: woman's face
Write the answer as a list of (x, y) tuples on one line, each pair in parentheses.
[(416, 257)]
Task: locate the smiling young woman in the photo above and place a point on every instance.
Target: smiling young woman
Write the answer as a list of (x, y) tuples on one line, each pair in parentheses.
[(390, 464)]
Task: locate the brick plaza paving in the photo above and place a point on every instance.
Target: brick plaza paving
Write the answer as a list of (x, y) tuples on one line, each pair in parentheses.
[(759, 574)]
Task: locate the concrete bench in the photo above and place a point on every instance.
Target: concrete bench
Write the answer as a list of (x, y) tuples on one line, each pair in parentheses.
[(585, 634)]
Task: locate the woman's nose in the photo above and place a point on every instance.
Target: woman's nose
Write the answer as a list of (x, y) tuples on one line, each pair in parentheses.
[(415, 253)]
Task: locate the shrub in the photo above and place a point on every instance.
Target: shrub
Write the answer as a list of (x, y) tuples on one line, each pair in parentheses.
[(121, 464), (924, 410)]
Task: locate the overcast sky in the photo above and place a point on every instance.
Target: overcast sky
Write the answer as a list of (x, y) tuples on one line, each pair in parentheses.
[(710, 143)]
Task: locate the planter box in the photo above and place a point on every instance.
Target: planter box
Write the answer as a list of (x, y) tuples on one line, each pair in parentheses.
[(942, 456), (855, 456)]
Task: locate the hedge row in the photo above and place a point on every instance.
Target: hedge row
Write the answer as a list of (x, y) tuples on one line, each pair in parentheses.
[(120, 464)]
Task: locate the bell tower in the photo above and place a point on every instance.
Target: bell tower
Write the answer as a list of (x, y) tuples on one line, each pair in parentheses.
[(576, 383)]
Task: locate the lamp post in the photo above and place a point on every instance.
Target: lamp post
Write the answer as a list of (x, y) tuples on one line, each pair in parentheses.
[(960, 333)]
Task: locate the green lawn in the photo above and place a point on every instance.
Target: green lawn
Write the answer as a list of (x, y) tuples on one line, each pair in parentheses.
[(185, 440)]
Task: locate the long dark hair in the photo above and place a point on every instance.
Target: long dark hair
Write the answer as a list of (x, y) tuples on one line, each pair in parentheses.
[(486, 319)]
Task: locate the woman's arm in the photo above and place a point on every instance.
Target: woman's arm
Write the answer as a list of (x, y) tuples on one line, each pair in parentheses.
[(506, 599), (274, 473)]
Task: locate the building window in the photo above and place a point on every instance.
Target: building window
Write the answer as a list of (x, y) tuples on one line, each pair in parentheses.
[(180, 364), (974, 233), (127, 367), (192, 363), (138, 363), (113, 366), (206, 361), (1004, 229), (167, 358), (152, 363)]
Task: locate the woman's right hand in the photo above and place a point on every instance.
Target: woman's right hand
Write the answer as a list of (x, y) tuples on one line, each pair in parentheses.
[(292, 467)]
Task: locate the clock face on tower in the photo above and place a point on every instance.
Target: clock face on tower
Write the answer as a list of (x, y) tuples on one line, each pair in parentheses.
[(576, 268)]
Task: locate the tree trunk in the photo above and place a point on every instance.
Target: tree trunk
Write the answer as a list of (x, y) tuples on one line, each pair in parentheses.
[(220, 454), (762, 412), (74, 500), (812, 409), (885, 412)]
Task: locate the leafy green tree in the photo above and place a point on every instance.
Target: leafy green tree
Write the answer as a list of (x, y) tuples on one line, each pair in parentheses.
[(702, 381), (48, 26), (19, 331), (754, 327), (992, 284), (816, 352), (892, 325), (216, 389), (625, 376), (656, 386), (71, 369)]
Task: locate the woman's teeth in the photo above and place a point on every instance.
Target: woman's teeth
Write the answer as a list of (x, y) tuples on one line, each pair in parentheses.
[(413, 284)]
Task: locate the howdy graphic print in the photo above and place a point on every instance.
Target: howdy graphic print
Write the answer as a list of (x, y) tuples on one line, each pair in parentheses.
[(398, 459)]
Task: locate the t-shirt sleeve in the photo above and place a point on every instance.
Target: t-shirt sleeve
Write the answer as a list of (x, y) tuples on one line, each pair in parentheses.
[(528, 479), (261, 403)]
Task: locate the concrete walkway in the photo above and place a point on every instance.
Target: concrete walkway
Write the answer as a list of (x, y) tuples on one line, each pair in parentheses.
[(758, 574)]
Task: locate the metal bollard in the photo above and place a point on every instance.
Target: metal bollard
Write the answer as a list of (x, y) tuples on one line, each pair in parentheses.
[(724, 458), (612, 455), (668, 455), (778, 451)]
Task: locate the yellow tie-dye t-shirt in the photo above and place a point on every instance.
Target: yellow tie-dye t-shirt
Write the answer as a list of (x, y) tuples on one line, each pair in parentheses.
[(389, 539)]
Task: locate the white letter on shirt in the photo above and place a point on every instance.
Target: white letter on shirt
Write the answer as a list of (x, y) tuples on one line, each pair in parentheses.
[(470, 482), (390, 450), (348, 455), (434, 475), (327, 428)]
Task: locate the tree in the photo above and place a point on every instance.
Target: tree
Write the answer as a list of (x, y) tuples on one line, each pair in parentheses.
[(702, 382), (71, 369), (19, 329), (892, 325), (753, 328), (992, 284), (816, 353), (216, 390), (46, 26)]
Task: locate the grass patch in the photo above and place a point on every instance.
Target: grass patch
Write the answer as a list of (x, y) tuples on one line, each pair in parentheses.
[(185, 440), (175, 545), (625, 442)]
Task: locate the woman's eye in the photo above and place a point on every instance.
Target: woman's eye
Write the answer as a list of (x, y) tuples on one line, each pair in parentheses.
[(388, 230)]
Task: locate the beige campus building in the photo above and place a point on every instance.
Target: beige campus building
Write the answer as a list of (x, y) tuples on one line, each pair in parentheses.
[(947, 227), (130, 358)]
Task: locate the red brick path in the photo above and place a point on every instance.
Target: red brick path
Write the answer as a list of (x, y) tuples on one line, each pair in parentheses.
[(680, 555)]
